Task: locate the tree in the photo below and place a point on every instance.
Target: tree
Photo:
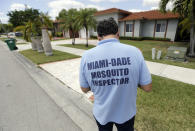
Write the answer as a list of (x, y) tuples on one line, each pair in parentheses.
[(18, 18), (86, 20), (186, 9), (5, 28), (69, 23)]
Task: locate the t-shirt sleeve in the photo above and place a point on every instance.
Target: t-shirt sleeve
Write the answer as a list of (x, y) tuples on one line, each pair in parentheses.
[(82, 77), (144, 74)]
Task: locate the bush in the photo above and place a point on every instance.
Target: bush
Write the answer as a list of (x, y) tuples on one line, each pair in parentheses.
[(156, 38), (93, 37), (143, 38), (59, 34), (131, 38)]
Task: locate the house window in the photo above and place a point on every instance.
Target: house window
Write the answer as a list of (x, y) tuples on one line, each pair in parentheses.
[(160, 27), (129, 27)]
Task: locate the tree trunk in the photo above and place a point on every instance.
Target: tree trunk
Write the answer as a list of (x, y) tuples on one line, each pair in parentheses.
[(46, 42), (73, 39), (87, 37), (192, 41), (192, 33)]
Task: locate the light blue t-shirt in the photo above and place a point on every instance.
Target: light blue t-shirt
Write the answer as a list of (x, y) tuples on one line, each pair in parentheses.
[(113, 71)]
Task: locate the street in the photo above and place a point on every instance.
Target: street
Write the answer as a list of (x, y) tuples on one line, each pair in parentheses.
[(24, 106)]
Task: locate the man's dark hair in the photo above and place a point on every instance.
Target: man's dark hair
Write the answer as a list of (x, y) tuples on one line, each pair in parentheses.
[(107, 27)]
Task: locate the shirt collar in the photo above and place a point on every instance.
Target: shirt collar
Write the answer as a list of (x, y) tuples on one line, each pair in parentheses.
[(108, 40)]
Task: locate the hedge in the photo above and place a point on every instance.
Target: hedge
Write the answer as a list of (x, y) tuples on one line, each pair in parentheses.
[(138, 38), (144, 38)]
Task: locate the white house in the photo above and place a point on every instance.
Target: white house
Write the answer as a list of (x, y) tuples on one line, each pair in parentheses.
[(140, 24)]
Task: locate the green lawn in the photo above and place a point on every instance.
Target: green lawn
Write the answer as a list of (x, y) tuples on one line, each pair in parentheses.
[(146, 48), (79, 46), (41, 58), (3, 39), (169, 107)]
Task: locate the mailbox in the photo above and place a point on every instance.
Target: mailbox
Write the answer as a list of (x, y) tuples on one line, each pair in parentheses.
[(176, 53)]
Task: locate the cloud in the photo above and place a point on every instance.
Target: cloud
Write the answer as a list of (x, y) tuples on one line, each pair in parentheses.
[(136, 10), (18, 6), (57, 5), (113, 1), (155, 8), (3, 17), (155, 4)]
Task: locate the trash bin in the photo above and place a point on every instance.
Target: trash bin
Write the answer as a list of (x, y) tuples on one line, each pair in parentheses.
[(11, 43)]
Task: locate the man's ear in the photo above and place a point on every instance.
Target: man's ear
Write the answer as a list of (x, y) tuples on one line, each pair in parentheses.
[(99, 38), (117, 35)]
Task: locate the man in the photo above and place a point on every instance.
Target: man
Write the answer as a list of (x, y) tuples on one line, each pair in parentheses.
[(113, 71)]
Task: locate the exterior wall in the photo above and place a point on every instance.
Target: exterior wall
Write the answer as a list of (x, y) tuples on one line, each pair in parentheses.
[(148, 28), (67, 35), (121, 28), (137, 28), (82, 33), (172, 28)]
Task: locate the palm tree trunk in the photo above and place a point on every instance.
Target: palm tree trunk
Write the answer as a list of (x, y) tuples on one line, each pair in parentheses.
[(87, 37), (192, 33), (73, 39)]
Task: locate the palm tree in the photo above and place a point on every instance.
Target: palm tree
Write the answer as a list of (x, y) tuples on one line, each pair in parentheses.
[(86, 20), (68, 19), (186, 9), (28, 30)]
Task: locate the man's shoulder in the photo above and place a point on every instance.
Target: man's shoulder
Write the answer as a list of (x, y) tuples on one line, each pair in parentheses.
[(129, 47), (89, 52)]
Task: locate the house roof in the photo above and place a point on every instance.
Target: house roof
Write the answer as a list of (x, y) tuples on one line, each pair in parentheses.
[(150, 15), (111, 10)]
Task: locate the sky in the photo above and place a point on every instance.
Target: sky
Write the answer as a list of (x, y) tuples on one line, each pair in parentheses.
[(53, 7)]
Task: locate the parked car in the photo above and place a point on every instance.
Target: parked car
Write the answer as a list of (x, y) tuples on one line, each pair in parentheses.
[(18, 34), (11, 34)]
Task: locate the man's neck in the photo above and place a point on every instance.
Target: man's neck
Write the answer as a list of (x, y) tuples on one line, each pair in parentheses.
[(109, 37)]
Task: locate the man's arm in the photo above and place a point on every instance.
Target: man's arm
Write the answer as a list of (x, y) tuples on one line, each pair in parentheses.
[(85, 90), (146, 88)]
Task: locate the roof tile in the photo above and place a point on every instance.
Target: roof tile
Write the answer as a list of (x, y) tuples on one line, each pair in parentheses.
[(111, 10), (152, 14)]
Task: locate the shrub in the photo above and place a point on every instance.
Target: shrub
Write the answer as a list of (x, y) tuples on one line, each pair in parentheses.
[(143, 38), (131, 38), (157, 38), (59, 34), (93, 37)]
